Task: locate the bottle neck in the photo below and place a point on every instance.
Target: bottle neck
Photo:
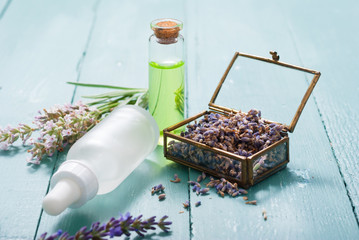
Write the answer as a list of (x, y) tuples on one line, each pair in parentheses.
[(166, 51)]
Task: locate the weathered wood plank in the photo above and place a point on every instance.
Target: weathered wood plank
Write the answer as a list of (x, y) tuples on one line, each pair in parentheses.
[(307, 200), (40, 44), (329, 41), (117, 55)]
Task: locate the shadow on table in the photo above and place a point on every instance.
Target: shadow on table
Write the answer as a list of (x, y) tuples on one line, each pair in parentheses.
[(49, 162), (278, 182), (46, 162), (13, 150), (152, 236)]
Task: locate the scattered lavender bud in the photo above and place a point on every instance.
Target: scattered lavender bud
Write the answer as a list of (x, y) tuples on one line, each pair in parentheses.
[(157, 188), (203, 176), (234, 194), (204, 191), (242, 191), (264, 213), (198, 203), (161, 196), (221, 193), (192, 183), (176, 179), (195, 188), (254, 202), (186, 204), (210, 184)]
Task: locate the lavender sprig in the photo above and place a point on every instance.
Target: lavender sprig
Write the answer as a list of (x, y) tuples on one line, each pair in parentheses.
[(57, 128), (124, 225)]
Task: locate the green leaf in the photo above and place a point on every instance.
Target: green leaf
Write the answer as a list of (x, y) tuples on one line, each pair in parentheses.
[(104, 86)]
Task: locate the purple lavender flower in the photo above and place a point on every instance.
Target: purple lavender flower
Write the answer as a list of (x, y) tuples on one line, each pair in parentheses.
[(124, 225), (198, 203), (57, 128), (163, 225)]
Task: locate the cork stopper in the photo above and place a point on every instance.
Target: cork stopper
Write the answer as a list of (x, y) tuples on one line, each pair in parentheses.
[(166, 30)]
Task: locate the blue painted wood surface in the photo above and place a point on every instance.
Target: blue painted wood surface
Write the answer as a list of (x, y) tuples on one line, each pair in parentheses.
[(43, 44)]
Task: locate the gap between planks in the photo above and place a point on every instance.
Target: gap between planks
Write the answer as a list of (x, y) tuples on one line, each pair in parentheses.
[(324, 127), (6, 6)]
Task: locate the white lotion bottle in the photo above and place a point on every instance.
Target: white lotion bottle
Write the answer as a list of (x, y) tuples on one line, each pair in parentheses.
[(99, 161)]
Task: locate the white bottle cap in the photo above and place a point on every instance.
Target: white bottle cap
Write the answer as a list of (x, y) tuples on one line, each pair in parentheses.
[(72, 186)]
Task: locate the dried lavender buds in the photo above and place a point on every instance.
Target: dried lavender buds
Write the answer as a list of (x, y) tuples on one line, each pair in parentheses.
[(161, 196), (186, 204), (201, 177), (157, 189), (197, 188), (176, 179), (254, 202), (224, 186), (264, 214), (243, 133)]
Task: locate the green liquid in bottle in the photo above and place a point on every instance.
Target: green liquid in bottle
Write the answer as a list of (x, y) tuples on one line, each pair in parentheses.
[(166, 93)]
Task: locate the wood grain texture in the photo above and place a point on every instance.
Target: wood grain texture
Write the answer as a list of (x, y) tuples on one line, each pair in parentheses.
[(40, 44), (307, 200), (332, 49), (117, 54)]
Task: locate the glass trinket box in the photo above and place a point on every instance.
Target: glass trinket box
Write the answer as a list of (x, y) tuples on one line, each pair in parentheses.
[(244, 147)]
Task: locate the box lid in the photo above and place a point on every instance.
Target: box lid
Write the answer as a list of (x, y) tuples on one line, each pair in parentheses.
[(277, 97)]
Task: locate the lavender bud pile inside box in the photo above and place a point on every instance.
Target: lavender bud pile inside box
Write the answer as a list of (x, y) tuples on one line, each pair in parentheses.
[(243, 134)]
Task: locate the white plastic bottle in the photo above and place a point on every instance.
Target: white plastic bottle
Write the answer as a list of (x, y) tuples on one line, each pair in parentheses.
[(99, 161)]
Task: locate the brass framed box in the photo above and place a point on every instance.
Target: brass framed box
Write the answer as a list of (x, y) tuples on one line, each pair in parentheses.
[(245, 170)]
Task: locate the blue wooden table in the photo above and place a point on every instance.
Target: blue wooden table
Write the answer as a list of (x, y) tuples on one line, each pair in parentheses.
[(43, 44)]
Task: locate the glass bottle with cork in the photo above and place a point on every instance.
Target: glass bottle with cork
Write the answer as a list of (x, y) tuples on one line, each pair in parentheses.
[(166, 72)]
